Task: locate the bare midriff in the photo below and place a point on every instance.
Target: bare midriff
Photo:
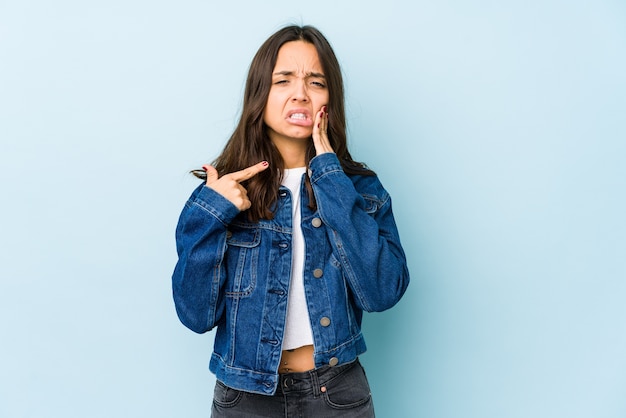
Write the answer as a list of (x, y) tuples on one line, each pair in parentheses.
[(297, 360)]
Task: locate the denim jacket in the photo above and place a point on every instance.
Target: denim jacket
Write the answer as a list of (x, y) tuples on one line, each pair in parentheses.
[(234, 274)]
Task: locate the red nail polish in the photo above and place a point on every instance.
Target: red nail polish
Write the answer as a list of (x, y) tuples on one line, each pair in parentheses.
[(264, 163), (318, 125)]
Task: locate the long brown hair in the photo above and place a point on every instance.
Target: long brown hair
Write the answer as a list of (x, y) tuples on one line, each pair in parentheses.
[(250, 142)]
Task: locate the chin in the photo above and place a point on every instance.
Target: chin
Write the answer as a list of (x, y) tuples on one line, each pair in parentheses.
[(300, 134)]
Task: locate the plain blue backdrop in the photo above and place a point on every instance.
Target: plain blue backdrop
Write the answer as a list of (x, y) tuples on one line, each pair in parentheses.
[(497, 127)]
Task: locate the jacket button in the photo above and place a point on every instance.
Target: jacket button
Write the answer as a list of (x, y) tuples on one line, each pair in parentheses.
[(317, 273), (317, 222), (325, 321), (229, 234), (333, 361)]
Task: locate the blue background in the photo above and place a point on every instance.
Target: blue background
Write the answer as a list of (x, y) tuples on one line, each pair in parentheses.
[(498, 128)]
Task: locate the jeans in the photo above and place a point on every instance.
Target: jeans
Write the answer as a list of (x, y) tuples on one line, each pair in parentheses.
[(341, 391)]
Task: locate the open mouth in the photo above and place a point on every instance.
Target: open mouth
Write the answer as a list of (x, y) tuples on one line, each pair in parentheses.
[(298, 116)]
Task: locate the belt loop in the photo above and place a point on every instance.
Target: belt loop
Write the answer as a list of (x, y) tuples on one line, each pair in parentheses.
[(315, 382), (281, 382)]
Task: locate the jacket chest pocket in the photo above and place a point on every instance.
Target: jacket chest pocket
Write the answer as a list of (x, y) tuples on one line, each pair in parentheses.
[(242, 258)]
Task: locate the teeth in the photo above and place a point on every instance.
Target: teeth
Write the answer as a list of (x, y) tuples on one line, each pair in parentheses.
[(298, 116)]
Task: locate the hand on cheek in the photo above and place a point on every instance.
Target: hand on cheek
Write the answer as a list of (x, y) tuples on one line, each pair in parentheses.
[(320, 132)]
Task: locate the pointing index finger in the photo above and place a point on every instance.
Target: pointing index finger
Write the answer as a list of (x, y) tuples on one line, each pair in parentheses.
[(249, 172)]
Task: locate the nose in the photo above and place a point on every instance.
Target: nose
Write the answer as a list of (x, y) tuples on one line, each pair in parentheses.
[(300, 93)]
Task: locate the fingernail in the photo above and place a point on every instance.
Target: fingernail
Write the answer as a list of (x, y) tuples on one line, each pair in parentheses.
[(265, 163), (324, 109), (318, 125)]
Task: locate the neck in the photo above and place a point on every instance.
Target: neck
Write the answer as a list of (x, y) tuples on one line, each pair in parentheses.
[(292, 152)]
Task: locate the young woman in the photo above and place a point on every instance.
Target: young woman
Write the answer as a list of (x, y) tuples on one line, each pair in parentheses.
[(286, 243)]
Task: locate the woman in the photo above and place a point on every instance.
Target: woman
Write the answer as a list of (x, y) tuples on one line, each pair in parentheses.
[(284, 255)]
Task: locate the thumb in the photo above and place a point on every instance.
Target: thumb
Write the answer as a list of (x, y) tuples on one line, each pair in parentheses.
[(211, 174)]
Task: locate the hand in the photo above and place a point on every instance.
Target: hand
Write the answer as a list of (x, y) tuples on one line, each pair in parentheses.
[(320, 135), (229, 184)]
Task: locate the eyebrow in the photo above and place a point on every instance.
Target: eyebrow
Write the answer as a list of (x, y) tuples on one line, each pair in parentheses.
[(290, 73)]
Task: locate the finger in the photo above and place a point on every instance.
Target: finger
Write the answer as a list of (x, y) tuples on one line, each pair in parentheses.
[(320, 135), (325, 120), (249, 172), (239, 197), (319, 120), (211, 173), (246, 203), (324, 123), (320, 127)]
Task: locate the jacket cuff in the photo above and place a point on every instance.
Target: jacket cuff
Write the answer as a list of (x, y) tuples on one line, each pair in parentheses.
[(216, 204), (324, 164)]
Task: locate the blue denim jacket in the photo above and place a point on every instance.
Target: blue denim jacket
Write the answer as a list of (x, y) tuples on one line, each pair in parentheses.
[(235, 274)]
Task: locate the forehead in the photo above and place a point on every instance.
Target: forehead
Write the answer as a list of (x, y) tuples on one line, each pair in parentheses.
[(298, 56)]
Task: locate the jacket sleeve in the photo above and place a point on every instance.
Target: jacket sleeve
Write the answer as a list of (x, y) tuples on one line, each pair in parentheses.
[(367, 245), (201, 244)]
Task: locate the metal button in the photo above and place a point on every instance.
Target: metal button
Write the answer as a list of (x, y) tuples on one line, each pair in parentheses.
[(229, 234), (317, 273), (317, 222), (333, 361), (325, 321)]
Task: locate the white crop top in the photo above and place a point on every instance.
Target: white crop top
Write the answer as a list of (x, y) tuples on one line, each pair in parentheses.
[(298, 325)]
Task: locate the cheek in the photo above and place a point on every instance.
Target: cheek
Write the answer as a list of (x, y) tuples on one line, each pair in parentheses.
[(270, 107), (274, 104), (323, 98)]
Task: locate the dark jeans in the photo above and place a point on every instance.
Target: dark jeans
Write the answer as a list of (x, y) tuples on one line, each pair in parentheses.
[(340, 391)]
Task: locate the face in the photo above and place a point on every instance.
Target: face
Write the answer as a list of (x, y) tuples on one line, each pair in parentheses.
[(298, 92)]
